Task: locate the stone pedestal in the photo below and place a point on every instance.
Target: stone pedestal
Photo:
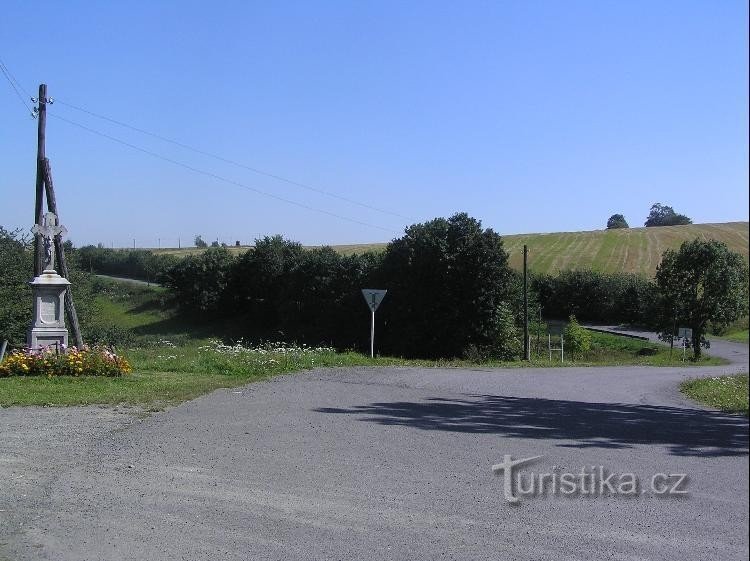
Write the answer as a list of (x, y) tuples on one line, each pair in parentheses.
[(48, 326)]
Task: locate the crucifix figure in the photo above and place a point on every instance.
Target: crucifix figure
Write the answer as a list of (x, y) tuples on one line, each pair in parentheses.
[(48, 232)]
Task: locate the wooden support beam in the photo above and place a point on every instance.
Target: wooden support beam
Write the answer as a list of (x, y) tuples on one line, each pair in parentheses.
[(70, 309)]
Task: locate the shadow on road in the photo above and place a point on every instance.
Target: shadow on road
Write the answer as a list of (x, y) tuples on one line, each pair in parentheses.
[(686, 432)]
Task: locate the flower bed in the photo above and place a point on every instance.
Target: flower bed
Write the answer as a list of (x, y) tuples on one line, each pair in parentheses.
[(94, 361)]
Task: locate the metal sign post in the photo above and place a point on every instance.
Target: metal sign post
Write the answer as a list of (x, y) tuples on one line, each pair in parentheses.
[(373, 298), (686, 334)]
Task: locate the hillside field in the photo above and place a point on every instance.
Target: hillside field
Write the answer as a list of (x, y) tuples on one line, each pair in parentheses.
[(631, 250)]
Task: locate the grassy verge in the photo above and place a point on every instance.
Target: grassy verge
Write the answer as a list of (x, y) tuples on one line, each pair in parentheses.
[(174, 360), (728, 393), (166, 374), (159, 380), (737, 331), (735, 336)]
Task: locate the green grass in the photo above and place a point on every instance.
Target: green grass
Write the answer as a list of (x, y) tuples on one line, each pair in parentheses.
[(735, 336), (630, 250), (728, 393), (164, 374), (158, 381), (737, 331)]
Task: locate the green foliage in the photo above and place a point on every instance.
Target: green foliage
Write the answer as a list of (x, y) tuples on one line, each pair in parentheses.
[(446, 280), (595, 296), (131, 263), (16, 270), (663, 215), (199, 242), (577, 337), (508, 343), (199, 281), (728, 393), (617, 221), (702, 282)]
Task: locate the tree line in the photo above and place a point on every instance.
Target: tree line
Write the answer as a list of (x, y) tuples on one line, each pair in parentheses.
[(451, 291), (659, 215)]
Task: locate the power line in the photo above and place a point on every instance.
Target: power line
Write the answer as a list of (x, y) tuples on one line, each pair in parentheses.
[(13, 83), (233, 162), (218, 177)]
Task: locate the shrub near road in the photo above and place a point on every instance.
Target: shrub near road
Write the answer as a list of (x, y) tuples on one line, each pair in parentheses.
[(447, 280)]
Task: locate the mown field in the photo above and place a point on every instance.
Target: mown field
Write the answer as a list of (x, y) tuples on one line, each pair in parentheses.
[(632, 250)]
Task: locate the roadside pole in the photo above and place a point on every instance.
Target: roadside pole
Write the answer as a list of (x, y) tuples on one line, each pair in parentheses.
[(373, 298), (526, 340)]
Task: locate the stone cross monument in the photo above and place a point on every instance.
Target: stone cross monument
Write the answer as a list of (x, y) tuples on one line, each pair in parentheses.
[(48, 325), (47, 232)]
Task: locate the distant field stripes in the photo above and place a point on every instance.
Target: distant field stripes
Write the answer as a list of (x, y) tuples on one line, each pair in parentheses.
[(629, 250)]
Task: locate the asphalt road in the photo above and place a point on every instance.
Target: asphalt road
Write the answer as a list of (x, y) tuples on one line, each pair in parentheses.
[(382, 464)]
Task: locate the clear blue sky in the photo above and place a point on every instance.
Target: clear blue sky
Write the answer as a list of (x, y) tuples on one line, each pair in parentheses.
[(533, 116)]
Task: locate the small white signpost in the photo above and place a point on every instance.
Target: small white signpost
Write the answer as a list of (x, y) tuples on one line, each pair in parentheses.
[(686, 334), (373, 297)]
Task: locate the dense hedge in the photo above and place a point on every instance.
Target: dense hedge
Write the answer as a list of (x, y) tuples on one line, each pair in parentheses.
[(132, 263), (447, 280), (450, 293), (16, 270), (594, 296)]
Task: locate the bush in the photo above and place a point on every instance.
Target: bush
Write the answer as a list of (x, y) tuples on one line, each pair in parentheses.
[(16, 270), (94, 361), (446, 281), (594, 296), (109, 335), (198, 282), (509, 339), (577, 337), (130, 263)]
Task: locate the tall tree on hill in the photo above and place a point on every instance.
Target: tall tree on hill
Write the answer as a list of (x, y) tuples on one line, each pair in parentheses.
[(663, 215), (703, 281), (617, 221)]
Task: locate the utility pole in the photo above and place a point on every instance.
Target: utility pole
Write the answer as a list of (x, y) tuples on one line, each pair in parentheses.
[(526, 341), (41, 114), (44, 186)]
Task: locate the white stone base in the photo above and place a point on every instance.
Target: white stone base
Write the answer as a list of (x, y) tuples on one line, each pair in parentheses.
[(48, 324), (48, 336)]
